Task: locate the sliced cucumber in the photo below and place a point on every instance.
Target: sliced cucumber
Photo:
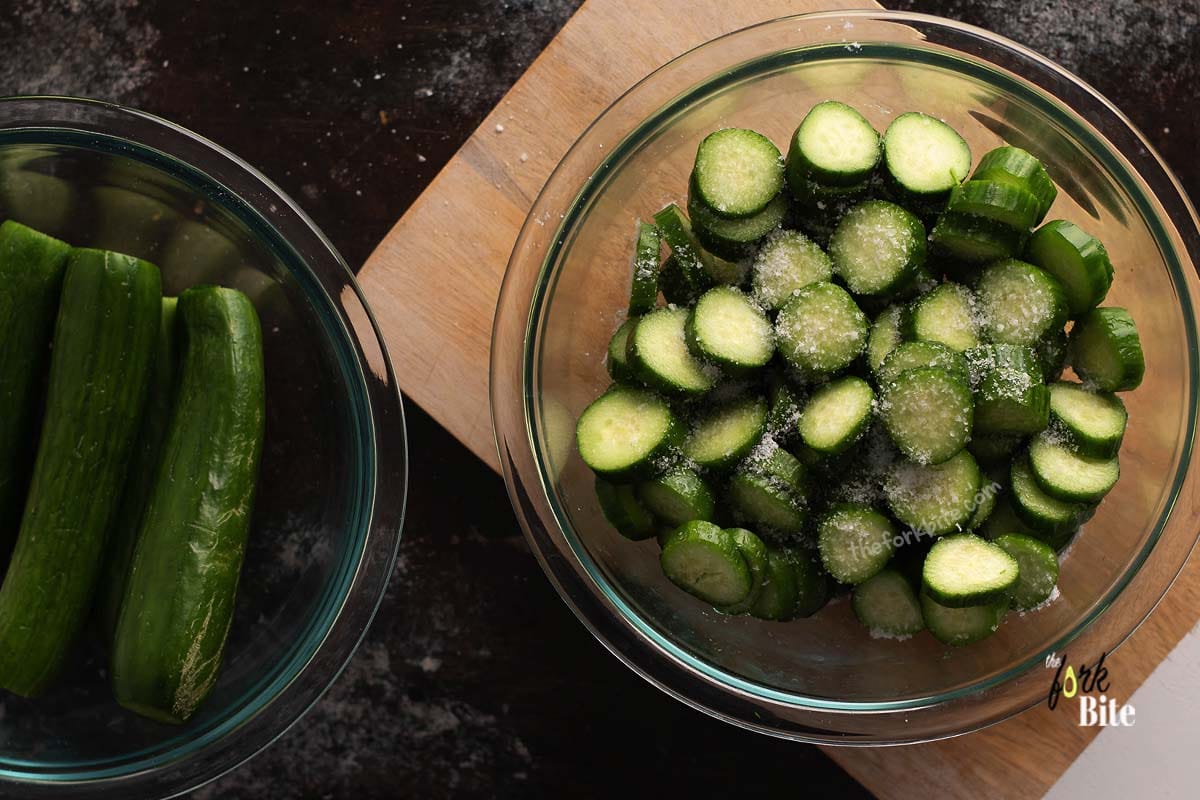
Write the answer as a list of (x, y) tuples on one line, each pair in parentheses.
[(924, 157), (945, 315), (777, 600), (1004, 519), (993, 448), (725, 434), (884, 336), (658, 353), (758, 560), (766, 503), (677, 496), (1038, 569), (962, 626), (728, 329), (855, 542), (705, 561), (1010, 397), (812, 582), (1105, 350), (616, 360), (1052, 354), (999, 201), (834, 145), (837, 415), (786, 263), (914, 355), (674, 286), (1018, 168), (734, 238), (691, 262), (738, 172), (934, 499), (974, 240), (928, 413), (1069, 476), (1092, 422), (877, 247), (1077, 259), (623, 510), (1050, 517), (624, 430), (785, 411), (965, 570), (643, 293), (821, 329), (1019, 303), (887, 606)]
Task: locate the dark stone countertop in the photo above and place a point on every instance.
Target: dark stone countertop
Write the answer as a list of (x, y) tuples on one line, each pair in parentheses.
[(475, 679)]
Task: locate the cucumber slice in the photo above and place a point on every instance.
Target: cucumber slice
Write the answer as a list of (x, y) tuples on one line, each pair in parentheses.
[(837, 415), (914, 355), (734, 238), (691, 262), (945, 315), (994, 448), (812, 583), (974, 240), (758, 560), (1069, 476), (1077, 259), (934, 499), (785, 411), (777, 600), (1093, 423), (729, 330), (623, 510), (965, 570), (1052, 354), (724, 435), (1105, 350), (821, 329), (887, 606), (855, 542), (787, 262), (1019, 303), (643, 293), (658, 353), (1038, 569), (1050, 517), (884, 336), (1004, 519), (705, 561), (924, 157), (1010, 397), (767, 503), (738, 172), (833, 145), (1018, 168), (624, 430), (779, 464), (962, 626), (928, 413), (677, 496), (877, 247), (998, 201), (616, 360)]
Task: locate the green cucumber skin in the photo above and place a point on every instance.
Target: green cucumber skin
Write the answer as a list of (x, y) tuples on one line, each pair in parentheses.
[(108, 324), (31, 272), (182, 583), (160, 401)]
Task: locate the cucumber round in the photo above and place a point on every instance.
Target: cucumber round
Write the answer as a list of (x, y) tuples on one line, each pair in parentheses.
[(691, 262), (924, 157), (658, 353), (962, 626), (624, 430), (887, 606), (877, 247), (643, 291), (1019, 168), (1077, 259), (945, 315), (757, 558), (1093, 423), (837, 415), (728, 329), (1010, 398), (833, 145), (965, 570), (1050, 517), (1019, 303), (616, 360), (936, 499), (677, 496), (992, 448), (724, 434), (821, 329), (620, 505), (738, 172), (705, 561), (734, 238), (812, 582), (884, 336), (767, 503), (974, 240), (1106, 351), (914, 355), (786, 263), (928, 413), (999, 201), (1069, 476), (777, 600), (1038, 569), (855, 542)]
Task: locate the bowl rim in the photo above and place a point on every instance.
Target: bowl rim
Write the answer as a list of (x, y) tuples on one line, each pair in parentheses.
[(621, 629), (278, 700)]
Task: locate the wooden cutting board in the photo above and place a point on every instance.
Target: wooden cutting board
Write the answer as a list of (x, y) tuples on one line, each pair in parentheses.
[(434, 280)]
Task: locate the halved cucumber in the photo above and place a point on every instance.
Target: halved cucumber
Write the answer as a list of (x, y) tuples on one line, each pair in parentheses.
[(837, 415), (1077, 259), (945, 315), (1038, 567), (876, 247), (914, 355), (821, 329), (734, 238), (1010, 397), (1093, 423), (738, 172), (677, 496), (787, 262), (928, 413), (935, 499), (757, 558), (998, 201), (620, 505), (729, 330), (1105, 350), (855, 542), (616, 360), (1069, 476), (1019, 303), (962, 626), (833, 145), (884, 336), (777, 600), (624, 430), (723, 435), (643, 292), (924, 157), (705, 561), (658, 353), (1018, 168), (1050, 517), (974, 240), (887, 606), (965, 570)]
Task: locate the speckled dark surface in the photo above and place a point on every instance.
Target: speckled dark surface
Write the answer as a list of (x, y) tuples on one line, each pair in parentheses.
[(475, 680)]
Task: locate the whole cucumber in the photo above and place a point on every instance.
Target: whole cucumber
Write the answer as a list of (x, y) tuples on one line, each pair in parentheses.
[(179, 598), (108, 323)]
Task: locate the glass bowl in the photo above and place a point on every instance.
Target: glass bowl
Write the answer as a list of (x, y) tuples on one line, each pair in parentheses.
[(824, 679), (331, 494)]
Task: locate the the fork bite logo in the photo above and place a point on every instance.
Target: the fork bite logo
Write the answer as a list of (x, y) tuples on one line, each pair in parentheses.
[(1090, 683)]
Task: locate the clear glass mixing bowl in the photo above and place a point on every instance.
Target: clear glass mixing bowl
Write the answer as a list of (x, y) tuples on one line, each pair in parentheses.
[(823, 679)]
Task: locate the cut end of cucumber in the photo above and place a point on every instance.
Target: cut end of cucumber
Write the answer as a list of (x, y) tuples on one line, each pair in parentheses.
[(837, 415), (726, 327), (919, 396), (935, 499), (659, 354), (947, 315), (1106, 351), (821, 329), (623, 429), (924, 155), (724, 435), (965, 570), (738, 172), (1070, 476), (786, 263), (876, 247), (1092, 422), (885, 336), (887, 606), (1019, 303), (834, 144), (704, 561)]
